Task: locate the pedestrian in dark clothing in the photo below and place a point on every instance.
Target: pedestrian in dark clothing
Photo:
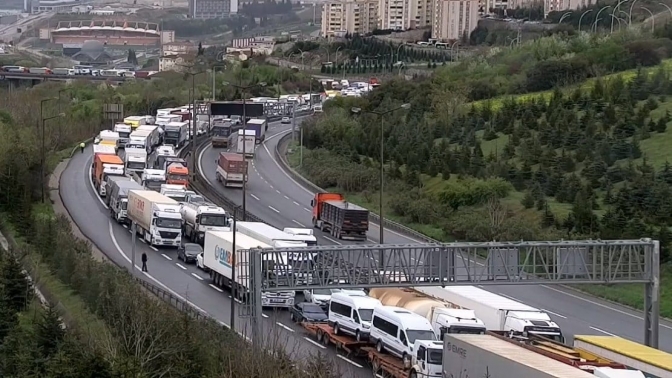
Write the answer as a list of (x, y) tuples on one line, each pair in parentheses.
[(144, 262)]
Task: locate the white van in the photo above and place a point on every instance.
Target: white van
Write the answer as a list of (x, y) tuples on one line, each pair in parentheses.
[(351, 313), (395, 330)]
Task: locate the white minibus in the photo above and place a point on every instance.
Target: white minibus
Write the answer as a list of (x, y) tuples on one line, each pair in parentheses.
[(351, 312), (395, 329)]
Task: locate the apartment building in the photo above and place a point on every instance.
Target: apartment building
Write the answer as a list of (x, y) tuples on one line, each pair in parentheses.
[(208, 9), (349, 16), (565, 5), (420, 13), (453, 19)]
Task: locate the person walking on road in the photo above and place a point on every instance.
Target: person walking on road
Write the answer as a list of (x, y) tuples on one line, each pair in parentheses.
[(144, 262), (81, 147)]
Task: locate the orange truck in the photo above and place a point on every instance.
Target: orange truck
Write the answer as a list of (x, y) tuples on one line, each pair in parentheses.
[(178, 174), (342, 219), (105, 165)]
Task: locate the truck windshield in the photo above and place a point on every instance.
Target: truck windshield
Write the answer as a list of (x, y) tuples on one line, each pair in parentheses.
[(221, 131), (177, 177), (154, 185), (168, 223), (217, 220), (176, 197), (135, 165), (435, 356), (124, 204), (365, 314), (172, 134), (419, 334), (124, 134), (467, 330)]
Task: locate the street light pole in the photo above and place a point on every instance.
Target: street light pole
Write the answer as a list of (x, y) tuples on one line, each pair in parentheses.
[(42, 152), (214, 78), (581, 18), (381, 114)]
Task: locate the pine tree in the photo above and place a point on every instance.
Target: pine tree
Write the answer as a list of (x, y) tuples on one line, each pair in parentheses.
[(50, 332), (528, 200), (17, 290)]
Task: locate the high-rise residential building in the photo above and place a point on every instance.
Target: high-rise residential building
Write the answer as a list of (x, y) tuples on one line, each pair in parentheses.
[(207, 9), (349, 16), (395, 14), (454, 19), (420, 13), (565, 5)]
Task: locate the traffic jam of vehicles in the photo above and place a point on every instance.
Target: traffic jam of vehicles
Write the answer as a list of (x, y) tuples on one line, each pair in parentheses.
[(419, 332), (77, 70)]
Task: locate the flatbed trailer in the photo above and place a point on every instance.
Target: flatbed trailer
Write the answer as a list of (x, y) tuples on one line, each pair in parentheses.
[(386, 365), (324, 334)]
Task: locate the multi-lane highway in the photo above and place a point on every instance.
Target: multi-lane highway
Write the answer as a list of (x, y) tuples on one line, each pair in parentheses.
[(185, 281), (276, 198)]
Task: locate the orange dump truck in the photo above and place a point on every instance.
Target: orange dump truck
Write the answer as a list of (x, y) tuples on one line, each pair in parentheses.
[(332, 213), (105, 165)]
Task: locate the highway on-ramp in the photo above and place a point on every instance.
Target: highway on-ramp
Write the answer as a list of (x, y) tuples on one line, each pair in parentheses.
[(279, 200), (182, 280)]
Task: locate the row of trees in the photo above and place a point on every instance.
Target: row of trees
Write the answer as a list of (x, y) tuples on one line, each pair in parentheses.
[(556, 60), (581, 149), (125, 332), (357, 46)]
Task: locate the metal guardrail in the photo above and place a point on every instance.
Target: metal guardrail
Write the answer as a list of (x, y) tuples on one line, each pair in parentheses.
[(174, 301), (374, 218)]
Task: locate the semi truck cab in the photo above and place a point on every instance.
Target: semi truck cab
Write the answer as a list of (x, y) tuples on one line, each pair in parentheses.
[(166, 228), (153, 179), (533, 322), (428, 359)]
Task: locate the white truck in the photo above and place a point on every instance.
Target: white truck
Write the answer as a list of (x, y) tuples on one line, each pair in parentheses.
[(107, 137), (199, 218), (156, 216), (161, 154), (490, 356), (497, 312), (153, 179), (259, 126), (124, 132), (135, 160), (279, 239), (445, 317), (248, 141), (174, 191), (304, 235), (104, 149), (163, 120), (117, 198), (218, 257), (154, 135), (138, 140)]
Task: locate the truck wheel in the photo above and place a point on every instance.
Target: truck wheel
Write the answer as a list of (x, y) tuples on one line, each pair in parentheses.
[(314, 222), (219, 178), (413, 374), (358, 336), (379, 346), (336, 328)]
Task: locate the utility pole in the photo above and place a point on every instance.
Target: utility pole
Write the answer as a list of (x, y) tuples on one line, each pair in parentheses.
[(294, 122)]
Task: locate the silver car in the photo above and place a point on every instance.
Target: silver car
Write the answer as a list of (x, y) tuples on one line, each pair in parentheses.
[(285, 120)]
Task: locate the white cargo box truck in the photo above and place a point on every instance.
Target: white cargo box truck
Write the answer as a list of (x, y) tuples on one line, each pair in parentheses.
[(218, 258), (497, 312), (249, 140), (488, 356), (157, 217), (153, 134)]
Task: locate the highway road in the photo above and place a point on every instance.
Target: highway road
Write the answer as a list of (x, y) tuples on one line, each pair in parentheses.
[(184, 281), (278, 199)]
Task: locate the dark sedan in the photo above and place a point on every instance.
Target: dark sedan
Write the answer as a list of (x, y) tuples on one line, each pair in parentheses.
[(188, 252), (307, 312)]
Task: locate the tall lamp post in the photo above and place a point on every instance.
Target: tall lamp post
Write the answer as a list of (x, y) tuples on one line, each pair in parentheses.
[(214, 80), (581, 18), (243, 89), (42, 152), (193, 113), (381, 114)]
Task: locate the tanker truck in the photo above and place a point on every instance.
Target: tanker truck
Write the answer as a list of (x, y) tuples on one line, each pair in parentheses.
[(444, 316), (202, 217)]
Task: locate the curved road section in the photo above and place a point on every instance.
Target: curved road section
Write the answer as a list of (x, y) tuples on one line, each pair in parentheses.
[(184, 281), (275, 197)]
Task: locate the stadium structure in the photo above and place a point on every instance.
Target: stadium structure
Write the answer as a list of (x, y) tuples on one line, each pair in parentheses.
[(72, 35)]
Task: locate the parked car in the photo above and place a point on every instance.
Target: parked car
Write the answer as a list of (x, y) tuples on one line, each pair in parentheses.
[(188, 252), (285, 120), (307, 312), (319, 296)]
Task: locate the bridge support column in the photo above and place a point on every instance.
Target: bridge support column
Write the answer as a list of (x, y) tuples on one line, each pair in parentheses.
[(652, 299)]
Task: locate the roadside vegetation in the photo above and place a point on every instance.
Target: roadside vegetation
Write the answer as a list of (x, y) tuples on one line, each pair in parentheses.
[(113, 326), (588, 162)]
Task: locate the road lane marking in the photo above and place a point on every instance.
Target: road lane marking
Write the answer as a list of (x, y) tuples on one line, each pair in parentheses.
[(181, 266), (277, 191), (554, 313), (121, 252), (601, 305), (237, 300), (200, 165), (253, 196), (508, 296), (143, 240), (332, 240), (299, 223), (605, 332), (284, 326), (125, 226), (296, 203), (274, 209), (285, 197), (197, 276), (154, 248), (306, 209), (315, 343), (264, 315), (349, 361), (216, 288), (167, 257)]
